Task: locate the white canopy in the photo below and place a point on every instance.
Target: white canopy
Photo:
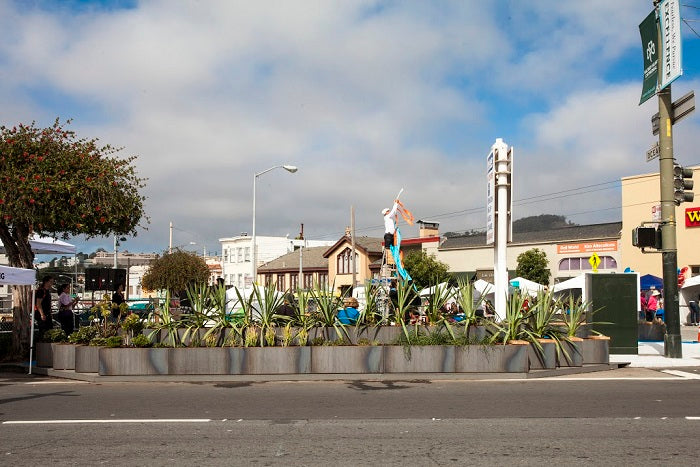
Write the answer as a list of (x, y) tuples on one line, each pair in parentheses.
[(431, 290), (577, 282), (483, 287), (17, 276), (526, 285), (47, 246), (692, 282)]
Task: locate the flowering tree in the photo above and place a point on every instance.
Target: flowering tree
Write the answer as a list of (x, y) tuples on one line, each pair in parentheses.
[(55, 184)]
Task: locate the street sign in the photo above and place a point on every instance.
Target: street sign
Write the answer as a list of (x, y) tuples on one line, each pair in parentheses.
[(654, 152), (679, 110), (594, 261), (656, 213)]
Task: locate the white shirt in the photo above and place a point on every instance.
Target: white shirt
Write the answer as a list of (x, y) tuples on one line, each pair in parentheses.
[(389, 225), (65, 299)]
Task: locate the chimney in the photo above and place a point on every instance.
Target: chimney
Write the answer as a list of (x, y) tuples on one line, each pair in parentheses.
[(301, 234), (428, 229), (347, 231)]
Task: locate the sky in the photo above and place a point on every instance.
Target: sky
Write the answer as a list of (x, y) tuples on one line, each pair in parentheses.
[(365, 97)]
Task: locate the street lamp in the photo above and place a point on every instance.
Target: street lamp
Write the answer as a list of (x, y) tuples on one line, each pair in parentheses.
[(116, 248), (288, 168)]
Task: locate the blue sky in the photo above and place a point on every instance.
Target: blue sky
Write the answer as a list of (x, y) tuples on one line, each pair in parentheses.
[(365, 97)]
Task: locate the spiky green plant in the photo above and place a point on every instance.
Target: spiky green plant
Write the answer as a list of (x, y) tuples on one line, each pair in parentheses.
[(514, 326), (327, 304), (440, 294), (163, 320)]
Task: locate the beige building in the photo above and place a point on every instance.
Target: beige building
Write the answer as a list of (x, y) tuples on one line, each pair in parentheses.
[(640, 203), (568, 251), (303, 268)]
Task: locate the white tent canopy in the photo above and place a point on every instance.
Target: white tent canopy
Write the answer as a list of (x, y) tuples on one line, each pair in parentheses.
[(692, 282), (17, 276), (47, 246), (578, 282), (431, 290), (526, 285), (482, 287)]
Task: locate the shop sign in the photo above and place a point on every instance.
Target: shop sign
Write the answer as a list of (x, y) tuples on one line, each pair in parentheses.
[(588, 247), (692, 217)]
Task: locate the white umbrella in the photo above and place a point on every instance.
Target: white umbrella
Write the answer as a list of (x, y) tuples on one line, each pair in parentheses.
[(47, 245), (20, 276)]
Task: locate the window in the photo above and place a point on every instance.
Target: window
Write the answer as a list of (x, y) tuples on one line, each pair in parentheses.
[(582, 264), (268, 280), (308, 281), (344, 262), (239, 253), (280, 283), (247, 254), (322, 279), (294, 281), (240, 281), (694, 271)]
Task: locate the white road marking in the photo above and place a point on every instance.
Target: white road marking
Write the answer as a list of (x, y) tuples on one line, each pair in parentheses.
[(692, 418), (58, 382), (682, 374), (125, 420)]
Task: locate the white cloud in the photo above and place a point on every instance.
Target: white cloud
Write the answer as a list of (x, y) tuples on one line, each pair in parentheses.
[(365, 97)]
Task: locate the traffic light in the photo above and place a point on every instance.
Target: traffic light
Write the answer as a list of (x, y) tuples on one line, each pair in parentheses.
[(682, 181)]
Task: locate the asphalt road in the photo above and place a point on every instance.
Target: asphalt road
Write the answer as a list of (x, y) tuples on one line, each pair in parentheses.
[(637, 417)]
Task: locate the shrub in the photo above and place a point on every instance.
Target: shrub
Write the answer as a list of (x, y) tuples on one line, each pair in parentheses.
[(114, 341), (132, 323), (55, 335), (318, 340), (83, 335), (99, 341), (141, 341)]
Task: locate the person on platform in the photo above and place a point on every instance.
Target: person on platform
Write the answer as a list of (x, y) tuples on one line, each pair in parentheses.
[(389, 224), (117, 299), (42, 306)]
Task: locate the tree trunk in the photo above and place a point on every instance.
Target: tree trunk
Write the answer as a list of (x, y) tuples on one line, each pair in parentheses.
[(20, 255)]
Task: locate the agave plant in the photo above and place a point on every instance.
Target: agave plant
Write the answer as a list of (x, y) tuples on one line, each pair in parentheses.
[(198, 313), (514, 327), (438, 298), (327, 305), (218, 316), (162, 320), (268, 300), (405, 294)]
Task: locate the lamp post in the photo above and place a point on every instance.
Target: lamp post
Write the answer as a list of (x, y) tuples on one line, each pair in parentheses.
[(288, 168), (116, 248)]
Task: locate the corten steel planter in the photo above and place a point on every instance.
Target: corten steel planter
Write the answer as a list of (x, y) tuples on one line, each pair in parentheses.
[(347, 359), (388, 335), (419, 359), (509, 358), (64, 356), (44, 354), (571, 353), (199, 361), (133, 361), (87, 359), (276, 360), (544, 358), (596, 349)]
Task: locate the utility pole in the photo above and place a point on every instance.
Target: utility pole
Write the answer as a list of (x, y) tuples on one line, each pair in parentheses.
[(669, 255), (352, 241)]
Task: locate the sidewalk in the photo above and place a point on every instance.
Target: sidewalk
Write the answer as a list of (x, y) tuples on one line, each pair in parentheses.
[(651, 354)]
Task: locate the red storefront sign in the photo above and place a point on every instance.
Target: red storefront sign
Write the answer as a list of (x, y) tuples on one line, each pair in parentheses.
[(692, 217)]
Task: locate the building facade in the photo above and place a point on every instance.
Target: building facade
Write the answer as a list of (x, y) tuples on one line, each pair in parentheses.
[(641, 203), (237, 258)]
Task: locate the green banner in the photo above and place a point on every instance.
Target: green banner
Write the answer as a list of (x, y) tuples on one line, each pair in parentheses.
[(650, 49)]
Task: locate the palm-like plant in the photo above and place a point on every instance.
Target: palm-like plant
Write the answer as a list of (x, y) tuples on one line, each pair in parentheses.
[(405, 294), (165, 322), (465, 301), (327, 305), (198, 313), (514, 327), (439, 296), (268, 300), (217, 314)]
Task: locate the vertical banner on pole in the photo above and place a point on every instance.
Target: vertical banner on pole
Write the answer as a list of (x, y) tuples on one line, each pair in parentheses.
[(670, 24), (490, 197), (650, 49)]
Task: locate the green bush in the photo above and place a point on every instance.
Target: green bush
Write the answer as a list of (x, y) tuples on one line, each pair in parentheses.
[(99, 341), (141, 341), (55, 335), (114, 341), (83, 335), (318, 341)]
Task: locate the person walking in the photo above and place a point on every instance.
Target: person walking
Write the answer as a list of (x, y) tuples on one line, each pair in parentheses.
[(42, 306)]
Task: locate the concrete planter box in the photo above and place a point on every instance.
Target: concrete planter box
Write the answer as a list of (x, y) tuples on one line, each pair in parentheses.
[(276, 360), (572, 353), (87, 359), (511, 358), (199, 361), (387, 335), (64, 356), (133, 361), (545, 359), (596, 349), (347, 359), (419, 359), (44, 354)]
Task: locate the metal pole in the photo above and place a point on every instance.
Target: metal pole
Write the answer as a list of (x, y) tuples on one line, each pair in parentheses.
[(255, 251), (116, 244), (669, 256), (352, 239), (500, 258), (170, 242)]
